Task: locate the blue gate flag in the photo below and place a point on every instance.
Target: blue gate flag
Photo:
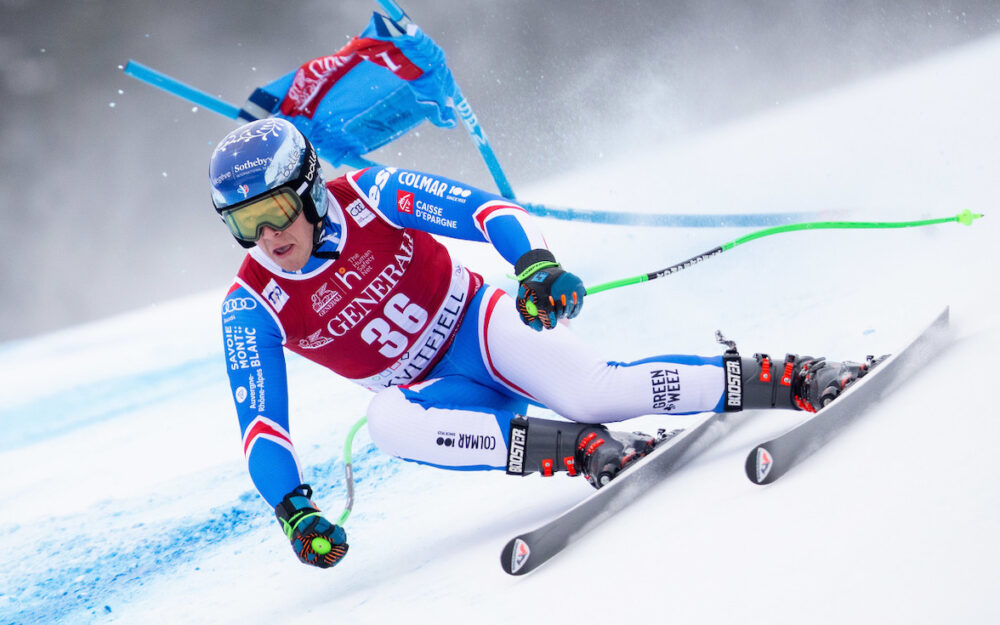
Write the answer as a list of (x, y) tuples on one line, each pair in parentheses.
[(377, 88)]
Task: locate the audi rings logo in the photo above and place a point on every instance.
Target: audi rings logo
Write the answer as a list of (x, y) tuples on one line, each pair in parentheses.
[(238, 303)]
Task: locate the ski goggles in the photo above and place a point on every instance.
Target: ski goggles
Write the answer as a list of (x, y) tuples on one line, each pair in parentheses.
[(277, 209)]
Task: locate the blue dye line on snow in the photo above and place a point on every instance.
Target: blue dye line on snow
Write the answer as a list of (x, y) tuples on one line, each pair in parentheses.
[(69, 409), (101, 563), (730, 220)]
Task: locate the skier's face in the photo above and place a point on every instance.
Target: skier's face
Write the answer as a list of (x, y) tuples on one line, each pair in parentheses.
[(289, 248)]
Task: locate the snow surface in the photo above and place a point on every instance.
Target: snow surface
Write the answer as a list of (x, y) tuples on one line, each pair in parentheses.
[(125, 498)]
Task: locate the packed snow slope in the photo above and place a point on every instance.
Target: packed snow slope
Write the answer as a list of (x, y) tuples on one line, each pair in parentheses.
[(125, 498)]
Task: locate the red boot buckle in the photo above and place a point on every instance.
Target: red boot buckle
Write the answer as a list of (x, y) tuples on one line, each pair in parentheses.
[(547, 467), (586, 439), (570, 463), (786, 377), (593, 447)]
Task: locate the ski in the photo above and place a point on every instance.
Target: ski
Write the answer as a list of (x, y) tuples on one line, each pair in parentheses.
[(769, 461), (526, 552)]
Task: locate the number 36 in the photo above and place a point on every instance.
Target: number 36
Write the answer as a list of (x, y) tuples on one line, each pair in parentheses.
[(408, 317)]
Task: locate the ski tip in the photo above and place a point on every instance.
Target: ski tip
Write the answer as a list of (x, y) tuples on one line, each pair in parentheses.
[(515, 557), (758, 465)]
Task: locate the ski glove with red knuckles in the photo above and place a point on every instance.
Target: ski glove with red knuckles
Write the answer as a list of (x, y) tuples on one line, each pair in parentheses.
[(547, 293), (315, 540)]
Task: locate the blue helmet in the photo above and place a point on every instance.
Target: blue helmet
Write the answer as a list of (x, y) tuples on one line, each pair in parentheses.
[(260, 157)]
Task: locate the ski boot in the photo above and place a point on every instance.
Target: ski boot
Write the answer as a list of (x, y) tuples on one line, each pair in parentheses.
[(547, 446), (820, 381), (799, 383)]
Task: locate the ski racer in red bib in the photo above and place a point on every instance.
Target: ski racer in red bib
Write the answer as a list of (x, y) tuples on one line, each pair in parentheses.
[(349, 274)]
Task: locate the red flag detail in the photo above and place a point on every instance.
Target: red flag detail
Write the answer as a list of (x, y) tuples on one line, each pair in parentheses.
[(315, 79)]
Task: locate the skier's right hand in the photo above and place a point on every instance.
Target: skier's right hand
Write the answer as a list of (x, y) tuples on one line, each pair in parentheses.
[(547, 293), (315, 540)]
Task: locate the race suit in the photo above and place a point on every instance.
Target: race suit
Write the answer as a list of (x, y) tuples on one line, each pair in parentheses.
[(448, 356)]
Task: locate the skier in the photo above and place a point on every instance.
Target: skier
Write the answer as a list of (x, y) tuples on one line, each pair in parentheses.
[(348, 275)]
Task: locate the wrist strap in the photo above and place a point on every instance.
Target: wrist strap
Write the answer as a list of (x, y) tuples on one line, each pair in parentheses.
[(289, 526), (529, 259), (296, 507), (532, 269)]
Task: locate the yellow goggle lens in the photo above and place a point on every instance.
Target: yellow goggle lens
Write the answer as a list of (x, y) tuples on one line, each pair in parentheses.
[(276, 209)]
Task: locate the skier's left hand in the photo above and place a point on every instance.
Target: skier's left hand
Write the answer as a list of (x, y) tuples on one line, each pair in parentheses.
[(547, 293)]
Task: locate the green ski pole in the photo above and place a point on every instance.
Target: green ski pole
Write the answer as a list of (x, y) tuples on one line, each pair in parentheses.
[(349, 469), (966, 218)]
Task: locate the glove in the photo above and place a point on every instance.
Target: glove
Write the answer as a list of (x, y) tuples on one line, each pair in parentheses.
[(315, 540), (547, 293)]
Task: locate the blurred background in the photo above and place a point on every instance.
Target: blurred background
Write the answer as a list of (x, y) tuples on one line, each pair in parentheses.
[(103, 179)]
